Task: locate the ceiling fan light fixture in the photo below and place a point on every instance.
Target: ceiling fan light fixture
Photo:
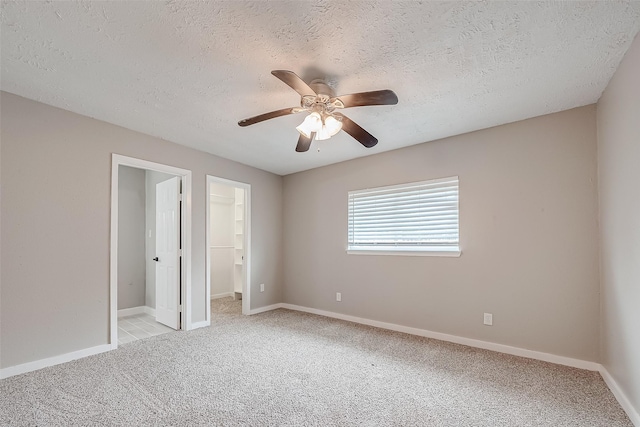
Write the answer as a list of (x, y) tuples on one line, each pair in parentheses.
[(324, 121), (312, 123), (322, 134), (332, 125)]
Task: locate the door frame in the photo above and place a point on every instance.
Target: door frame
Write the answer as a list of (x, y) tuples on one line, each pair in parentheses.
[(246, 244), (118, 160)]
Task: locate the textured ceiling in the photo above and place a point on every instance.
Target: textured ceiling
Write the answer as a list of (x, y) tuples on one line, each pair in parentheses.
[(188, 71)]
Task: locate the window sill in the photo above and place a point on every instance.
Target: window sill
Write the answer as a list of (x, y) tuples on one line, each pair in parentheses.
[(455, 253)]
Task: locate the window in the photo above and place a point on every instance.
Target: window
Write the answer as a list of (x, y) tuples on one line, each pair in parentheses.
[(419, 218)]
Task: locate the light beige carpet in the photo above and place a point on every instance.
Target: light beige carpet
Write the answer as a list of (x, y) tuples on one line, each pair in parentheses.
[(284, 368)]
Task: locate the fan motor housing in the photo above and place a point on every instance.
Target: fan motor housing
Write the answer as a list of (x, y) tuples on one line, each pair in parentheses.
[(320, 87)]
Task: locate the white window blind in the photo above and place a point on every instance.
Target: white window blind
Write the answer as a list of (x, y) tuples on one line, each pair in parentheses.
[(419, 216)]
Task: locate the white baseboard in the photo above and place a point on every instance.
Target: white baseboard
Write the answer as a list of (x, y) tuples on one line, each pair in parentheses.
[(266, 308), (203, 324), (632, 412), (222, 295), (501, 348), (51, 361), (143, 309), (130, 311)]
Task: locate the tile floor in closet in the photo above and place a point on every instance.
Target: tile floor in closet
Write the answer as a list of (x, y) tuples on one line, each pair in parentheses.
[(139, 326)]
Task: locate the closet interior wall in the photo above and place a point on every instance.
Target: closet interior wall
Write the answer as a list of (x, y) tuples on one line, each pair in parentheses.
[(222, 217)]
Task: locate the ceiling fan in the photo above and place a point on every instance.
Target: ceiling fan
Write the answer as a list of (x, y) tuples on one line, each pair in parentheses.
[(324, 120)]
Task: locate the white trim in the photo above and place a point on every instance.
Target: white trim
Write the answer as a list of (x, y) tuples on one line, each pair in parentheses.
[(52, 361), (186, 175), (207, 251), (402, 252), (142, 309), (222, 295), (632, 412), (405, 185), (130, 311), (501, 348), (267, 308), (187, 205), (617, 392), (246, 265), (203, 324)]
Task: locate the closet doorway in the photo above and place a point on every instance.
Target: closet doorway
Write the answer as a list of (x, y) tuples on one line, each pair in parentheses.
[(228, 241), (175, 303)]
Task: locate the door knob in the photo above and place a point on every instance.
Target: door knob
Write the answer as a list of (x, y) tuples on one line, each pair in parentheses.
[(156, 259)]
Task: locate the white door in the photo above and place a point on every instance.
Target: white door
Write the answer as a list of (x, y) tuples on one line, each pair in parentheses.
[(168, 253)]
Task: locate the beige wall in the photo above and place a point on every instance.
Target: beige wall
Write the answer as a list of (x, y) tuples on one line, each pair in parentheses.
[(528, 227), (55, 238), (131, 237), (619, 191)]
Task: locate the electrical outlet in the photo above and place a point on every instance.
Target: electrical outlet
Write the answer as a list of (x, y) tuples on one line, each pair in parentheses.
[(488, 319), (338, 296), (261, 287)]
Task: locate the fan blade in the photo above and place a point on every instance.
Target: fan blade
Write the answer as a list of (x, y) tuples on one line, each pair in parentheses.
[(359, 134), (304, 143), (267, 116), (377, 97), (292, 80)]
